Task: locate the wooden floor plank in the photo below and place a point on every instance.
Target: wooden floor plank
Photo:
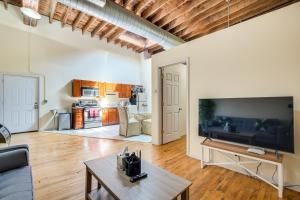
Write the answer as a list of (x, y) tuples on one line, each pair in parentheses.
[(59, 172)]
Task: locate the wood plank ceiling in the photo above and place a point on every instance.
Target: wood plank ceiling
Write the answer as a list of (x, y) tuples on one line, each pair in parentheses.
[(187, 19)]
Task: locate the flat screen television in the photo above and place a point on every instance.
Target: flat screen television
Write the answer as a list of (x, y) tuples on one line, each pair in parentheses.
[(265, 122)]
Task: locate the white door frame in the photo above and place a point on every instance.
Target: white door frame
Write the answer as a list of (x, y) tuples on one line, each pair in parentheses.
[(160, 85), (39, 92)]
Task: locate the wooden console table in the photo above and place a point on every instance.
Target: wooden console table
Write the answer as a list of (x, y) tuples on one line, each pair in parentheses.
[(229, 149)]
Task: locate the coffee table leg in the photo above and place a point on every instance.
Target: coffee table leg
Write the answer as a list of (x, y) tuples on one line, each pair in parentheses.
[(88, 183), (185, 195)]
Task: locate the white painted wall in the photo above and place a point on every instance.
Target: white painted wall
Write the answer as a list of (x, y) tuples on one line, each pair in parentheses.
[(1, 99), (146, 79), (61, 55), (259, 57)]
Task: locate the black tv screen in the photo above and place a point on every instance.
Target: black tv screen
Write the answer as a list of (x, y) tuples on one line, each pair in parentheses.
[(265, 122)]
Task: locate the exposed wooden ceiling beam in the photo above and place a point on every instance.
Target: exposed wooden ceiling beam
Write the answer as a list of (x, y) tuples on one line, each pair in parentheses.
[(130, 46), (154, 8), (247, 10), (142, 5), (5, 4), (203, 10), (98, 28), (119, 2), (140, 50), (257, 10), (115, 35), (237, 6), (77, 20), (65, 18), (169, 7), (135, 48), (108, 31), (52, 11), (154, 48), (198, 20), (88, 24), (123, 43), (185, 8), (130, 3), (117, 41)]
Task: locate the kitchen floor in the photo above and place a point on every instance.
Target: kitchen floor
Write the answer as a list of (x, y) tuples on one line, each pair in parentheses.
[(105, 132)]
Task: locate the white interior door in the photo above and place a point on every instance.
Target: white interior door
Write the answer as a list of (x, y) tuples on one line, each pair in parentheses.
[(20, 103), (171, 106)]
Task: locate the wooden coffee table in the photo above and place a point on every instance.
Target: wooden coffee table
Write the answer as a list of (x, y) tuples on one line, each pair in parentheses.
[(113, 184)]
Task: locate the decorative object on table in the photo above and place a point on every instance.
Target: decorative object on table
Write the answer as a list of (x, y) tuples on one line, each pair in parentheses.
[(138, 177), (120, 157), (130, 164), (5, 135)]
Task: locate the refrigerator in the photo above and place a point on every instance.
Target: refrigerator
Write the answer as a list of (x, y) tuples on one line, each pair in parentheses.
[(142, 104)]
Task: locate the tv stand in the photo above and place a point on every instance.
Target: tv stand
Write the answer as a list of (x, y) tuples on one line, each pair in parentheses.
[(239, 151)]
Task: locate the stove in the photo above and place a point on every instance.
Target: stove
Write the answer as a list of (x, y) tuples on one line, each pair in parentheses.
[(92, 115)]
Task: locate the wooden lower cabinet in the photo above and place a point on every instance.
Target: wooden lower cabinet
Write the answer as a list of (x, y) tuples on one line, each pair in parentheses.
[(77, 118), (110, 116), (76, 88)]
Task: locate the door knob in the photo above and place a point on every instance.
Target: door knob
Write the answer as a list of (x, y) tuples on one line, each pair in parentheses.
[(180, 109)]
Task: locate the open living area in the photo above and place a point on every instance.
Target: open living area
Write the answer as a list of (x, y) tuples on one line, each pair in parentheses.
[(149, 99)]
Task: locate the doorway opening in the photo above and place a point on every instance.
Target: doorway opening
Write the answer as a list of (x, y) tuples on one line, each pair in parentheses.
[(174, 102)]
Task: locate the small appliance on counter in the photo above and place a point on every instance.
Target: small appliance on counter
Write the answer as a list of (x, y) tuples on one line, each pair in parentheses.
[(131, 164)]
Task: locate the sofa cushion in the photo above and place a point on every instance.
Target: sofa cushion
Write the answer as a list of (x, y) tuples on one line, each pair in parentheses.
[(16, 184)]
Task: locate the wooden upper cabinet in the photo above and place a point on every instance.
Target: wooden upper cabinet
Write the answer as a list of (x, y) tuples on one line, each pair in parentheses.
[(92, 84), (101, 87), (110, 87), (124, 90), (127, 91), (76, 88), (119, 89)]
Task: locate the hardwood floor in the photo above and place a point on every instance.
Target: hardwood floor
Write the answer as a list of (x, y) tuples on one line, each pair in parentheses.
[(59, 173)]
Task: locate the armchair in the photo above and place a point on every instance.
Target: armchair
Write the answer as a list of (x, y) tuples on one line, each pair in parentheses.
[(146, 124), (128, 126)]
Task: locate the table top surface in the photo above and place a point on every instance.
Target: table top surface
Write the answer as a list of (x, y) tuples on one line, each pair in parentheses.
[(160, 184)]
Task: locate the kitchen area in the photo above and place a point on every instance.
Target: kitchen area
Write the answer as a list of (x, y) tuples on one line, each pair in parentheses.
[(95, 110)]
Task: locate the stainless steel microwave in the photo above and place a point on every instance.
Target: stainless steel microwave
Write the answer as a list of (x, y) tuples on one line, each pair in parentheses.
[(89, 92)]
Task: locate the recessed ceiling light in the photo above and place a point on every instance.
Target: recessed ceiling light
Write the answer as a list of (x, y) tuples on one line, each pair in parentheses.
[(29, 12)]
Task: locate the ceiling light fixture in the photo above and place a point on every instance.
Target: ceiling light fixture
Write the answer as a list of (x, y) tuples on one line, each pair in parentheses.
[(29, 12)]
